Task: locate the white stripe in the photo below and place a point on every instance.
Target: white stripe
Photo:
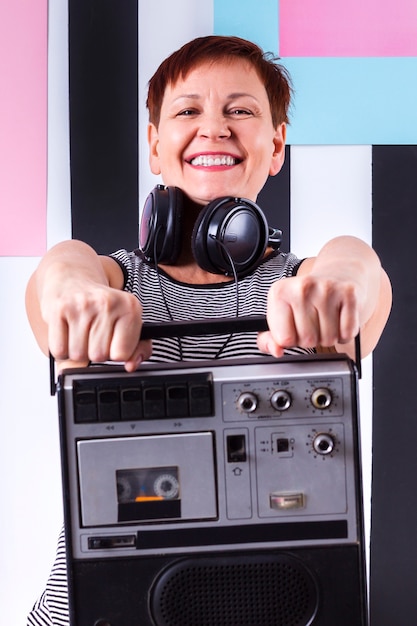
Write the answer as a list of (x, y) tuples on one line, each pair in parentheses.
[(59, 186), (164, 26), (331, 194)]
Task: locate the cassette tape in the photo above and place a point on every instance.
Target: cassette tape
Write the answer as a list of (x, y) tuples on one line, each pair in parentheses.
[(217, 492)]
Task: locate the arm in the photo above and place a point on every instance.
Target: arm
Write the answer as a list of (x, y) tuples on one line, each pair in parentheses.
[(78, 311), (335, 295)]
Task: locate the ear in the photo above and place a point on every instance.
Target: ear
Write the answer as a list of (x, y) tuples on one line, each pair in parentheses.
[(153, 142), (278, 156)]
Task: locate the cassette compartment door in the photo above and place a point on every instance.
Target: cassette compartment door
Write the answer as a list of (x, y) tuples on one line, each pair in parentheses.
[(147, 478)]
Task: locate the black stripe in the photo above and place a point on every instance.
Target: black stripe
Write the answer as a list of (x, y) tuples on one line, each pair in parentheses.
[(394, 503), (103, 76), (257, 533), (274, 200)]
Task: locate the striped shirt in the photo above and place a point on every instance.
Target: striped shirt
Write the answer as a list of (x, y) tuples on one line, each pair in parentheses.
[(165, 299)]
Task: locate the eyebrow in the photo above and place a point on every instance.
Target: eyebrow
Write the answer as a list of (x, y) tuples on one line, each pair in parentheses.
[(232, 96)]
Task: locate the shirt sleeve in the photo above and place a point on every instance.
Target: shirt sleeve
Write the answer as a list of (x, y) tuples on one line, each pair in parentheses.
[(129, 263)]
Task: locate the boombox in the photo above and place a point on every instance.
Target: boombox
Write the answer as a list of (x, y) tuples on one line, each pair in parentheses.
[(214, 493)]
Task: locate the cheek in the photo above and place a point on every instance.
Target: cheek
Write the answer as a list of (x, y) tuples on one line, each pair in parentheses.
[(171, 154)]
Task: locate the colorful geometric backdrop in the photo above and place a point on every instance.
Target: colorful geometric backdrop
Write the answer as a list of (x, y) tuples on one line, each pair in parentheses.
[(354, 68), (353, 63)]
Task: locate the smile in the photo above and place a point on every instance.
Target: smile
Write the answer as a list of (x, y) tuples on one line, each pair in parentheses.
[(214, 160)]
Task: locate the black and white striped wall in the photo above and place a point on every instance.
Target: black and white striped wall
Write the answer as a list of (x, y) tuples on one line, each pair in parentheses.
[(98, 179)]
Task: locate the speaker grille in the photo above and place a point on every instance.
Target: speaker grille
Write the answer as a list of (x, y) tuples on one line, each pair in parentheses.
[(261, 590)]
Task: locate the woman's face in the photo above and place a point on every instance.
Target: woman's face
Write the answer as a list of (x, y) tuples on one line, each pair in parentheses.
[(215, 137)]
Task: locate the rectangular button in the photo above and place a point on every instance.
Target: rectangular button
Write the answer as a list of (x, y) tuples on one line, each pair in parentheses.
[(286, 501), (108, 404), (154, 402), (131, 403)]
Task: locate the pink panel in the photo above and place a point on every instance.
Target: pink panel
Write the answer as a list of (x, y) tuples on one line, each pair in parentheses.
[(348, 28), (23, 127)]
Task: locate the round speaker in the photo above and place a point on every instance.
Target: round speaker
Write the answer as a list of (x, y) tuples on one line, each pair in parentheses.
[(234, 590)]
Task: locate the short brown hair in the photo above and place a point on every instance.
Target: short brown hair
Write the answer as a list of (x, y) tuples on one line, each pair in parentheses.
[(214, 48)]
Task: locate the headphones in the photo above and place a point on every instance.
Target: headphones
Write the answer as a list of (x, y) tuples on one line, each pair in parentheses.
[(230, 234)]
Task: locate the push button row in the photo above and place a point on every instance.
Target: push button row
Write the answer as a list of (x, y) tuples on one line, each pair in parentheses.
[(142, 399)]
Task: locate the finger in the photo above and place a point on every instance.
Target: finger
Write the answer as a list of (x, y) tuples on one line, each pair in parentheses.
[(307, 326), (78, 339), (280, 320), (68, 364), (125, 337), (58, 339), (338, 316), (349, 322), (316, 312), (142, 353), (268, 345)]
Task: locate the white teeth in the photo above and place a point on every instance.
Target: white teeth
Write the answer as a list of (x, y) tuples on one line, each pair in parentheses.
[(209, 161)]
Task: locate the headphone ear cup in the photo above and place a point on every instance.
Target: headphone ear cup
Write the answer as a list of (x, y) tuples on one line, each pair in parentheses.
[(161, 225), (230, 234)]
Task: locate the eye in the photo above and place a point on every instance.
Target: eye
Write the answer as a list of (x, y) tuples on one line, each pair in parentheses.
[(240, 112), (187, 112)]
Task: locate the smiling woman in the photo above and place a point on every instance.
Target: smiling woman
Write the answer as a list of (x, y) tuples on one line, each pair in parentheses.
[(215, 131)]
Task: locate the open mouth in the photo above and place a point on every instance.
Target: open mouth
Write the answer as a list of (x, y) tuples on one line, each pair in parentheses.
[(214, 160)]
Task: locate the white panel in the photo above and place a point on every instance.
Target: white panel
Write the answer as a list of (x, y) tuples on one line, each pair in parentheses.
[(30, 485), (59, 186), (164, 26), (331, 194)]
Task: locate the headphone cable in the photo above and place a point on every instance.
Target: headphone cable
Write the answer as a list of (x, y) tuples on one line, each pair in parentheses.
[(232, 265), (168, 310)]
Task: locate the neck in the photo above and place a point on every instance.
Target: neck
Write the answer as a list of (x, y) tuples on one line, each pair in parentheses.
[(189, 272)]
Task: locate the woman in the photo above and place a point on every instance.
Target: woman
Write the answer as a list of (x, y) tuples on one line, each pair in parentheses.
[(218, 113)]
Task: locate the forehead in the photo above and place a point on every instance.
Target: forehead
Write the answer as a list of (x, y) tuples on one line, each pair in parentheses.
[(226, 72)]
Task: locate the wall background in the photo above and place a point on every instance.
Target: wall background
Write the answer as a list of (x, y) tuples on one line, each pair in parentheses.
[(347, 171)]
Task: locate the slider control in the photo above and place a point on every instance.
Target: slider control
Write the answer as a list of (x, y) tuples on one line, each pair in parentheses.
[(286, 501)]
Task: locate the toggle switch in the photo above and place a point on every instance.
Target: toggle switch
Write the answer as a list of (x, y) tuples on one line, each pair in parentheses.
[(236, 448), (283, 445)]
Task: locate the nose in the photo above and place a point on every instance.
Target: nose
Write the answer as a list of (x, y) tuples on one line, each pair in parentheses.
[(214, 126)]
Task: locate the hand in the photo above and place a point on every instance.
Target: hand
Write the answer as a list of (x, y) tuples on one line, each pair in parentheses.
[(311, 310), (78, 311), (342, 291), (93, 322)]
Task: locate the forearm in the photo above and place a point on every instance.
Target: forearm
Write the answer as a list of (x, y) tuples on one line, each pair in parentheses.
[(67, 260)]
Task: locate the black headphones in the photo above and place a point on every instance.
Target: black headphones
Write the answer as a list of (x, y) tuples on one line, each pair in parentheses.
[(229, 233)]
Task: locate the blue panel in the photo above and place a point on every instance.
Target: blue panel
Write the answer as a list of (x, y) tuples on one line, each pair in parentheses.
[(256, 21), (353, 100), (337, 100)]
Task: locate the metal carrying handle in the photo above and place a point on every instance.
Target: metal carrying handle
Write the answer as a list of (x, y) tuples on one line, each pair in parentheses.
[(193, 328)]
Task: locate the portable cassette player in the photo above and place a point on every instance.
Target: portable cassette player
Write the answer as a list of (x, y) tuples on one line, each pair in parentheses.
[(214, 493)]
